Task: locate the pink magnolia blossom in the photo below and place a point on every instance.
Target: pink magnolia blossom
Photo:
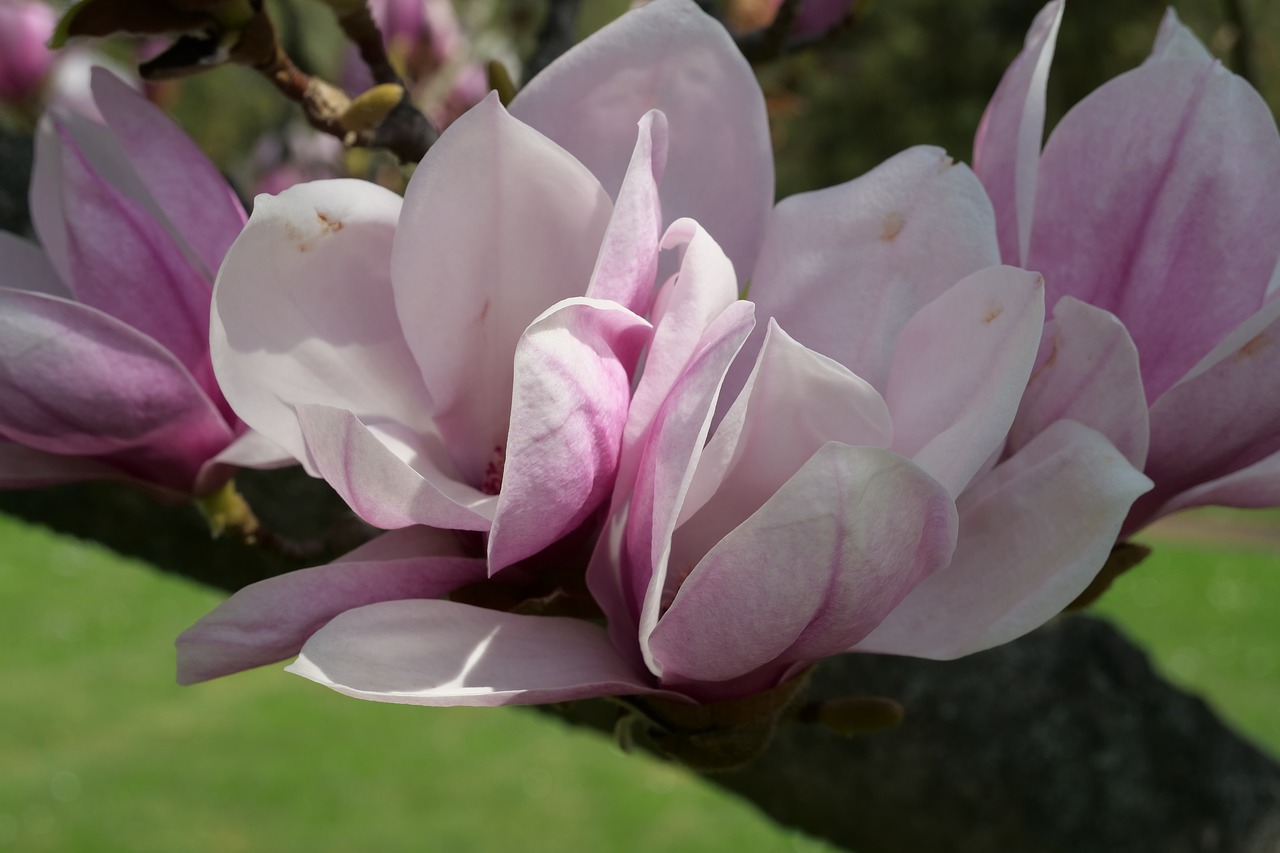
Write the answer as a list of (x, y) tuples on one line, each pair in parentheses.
[(25, 27), (893, 276), (443, 370), (104, 356), (1154, 214), (820, 517)]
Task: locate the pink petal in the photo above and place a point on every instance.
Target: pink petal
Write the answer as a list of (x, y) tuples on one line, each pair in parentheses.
[(1175, 41), (1176, 231), (687, 307), (794, 402), (628, 263), (24, 468), (1006, 150), (124, 262), (270, 620), (75, 381), (843, 269), (812, 572), (444, 653), (28, 268), (303, 312), (195, 198), (959, 370), (1033, 534), (660, 468), (1254, 487), (389, 483), (1088, 373), (573, 370), (671, 57), (249, 450), (499, 223), (1222, 419)]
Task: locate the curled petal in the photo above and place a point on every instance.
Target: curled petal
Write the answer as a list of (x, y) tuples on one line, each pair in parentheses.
[(672, 57), (959, 369), (444, 653), (812, 572), (499, 223), (1006, 150), (573, 369), (303, 313), (628, 263), (1033, 534), (653, 478), (844, 268), (270, 620), (1088, 373), (794, 402), (388, 481)]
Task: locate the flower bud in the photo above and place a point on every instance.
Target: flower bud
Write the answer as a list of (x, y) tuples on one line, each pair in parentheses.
[(24, 59)]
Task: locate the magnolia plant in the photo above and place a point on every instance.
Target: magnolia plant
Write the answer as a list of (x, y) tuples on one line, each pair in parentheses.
[(869, 483), (626, 428)]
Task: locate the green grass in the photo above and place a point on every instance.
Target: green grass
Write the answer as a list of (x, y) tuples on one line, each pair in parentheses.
[(1207, 612), (101, 752)]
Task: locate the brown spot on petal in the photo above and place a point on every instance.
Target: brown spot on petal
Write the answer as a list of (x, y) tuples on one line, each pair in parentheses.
[(994, 310), (1255, 346), (330, 224), (893, 224), (1048, 362)]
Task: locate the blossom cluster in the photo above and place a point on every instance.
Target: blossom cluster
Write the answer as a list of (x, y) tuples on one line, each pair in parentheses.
[(949, 395)]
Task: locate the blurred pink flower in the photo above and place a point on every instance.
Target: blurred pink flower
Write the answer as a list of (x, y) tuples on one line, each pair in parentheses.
[(1154, 214), (25, 27), (426, 41), (104, 356)]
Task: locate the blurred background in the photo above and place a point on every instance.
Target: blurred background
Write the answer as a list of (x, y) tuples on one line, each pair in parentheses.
[(99, 751)]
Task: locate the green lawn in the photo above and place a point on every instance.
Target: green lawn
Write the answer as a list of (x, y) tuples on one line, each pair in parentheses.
[(101, 752)]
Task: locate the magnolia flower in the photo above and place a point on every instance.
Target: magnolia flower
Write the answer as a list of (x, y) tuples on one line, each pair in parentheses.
[(1154, 214), (25, 27), (892, 275), (436, 361), (821, 516), (104, 356)]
